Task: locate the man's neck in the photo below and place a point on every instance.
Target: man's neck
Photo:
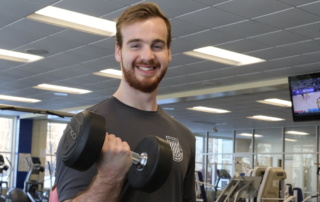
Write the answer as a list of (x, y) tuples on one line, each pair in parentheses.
[(137, 99)]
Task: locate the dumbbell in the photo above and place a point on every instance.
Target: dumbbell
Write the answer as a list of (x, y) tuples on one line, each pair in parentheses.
[(82, 142)]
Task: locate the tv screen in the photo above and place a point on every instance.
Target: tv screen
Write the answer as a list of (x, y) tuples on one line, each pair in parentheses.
[(305, 97)]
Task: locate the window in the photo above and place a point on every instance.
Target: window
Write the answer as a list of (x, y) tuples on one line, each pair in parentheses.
[(54, 133), (6, 137)]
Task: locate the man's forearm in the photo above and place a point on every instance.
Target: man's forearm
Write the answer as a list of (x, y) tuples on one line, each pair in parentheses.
[(101, 190)]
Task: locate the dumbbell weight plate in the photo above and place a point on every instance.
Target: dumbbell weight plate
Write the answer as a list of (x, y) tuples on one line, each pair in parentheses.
[(154, 174), (82, 140)]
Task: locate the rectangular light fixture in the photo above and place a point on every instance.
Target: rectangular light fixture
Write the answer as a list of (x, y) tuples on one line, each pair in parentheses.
[(113, 73), (290, 140), (276, 102), (250, 135), (209, 110), (74, 20), (223, 56), (18, 56), (292, 132), (18, 99), (265, 118), (61, 89)]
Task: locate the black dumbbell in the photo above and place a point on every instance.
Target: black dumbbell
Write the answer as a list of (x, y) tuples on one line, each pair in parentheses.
[(82, 142)]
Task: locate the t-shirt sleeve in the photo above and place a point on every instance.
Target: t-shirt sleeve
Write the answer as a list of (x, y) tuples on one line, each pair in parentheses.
[(70, 182)]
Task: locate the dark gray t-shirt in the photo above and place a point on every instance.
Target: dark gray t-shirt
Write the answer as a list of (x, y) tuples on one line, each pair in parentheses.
[(132, 125)]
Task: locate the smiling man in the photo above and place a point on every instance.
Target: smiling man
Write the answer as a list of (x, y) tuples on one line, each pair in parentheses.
[(143, 50)]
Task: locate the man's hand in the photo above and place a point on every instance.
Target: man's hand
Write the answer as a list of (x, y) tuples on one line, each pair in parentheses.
[(115, 159)]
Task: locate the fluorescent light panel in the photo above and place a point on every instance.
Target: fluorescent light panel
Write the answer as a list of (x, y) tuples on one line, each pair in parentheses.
[(292, 132), (74, 20), (276, 102), (62, 89), (113, 73), (265, 118), (18, 99), (250, 135), (18, 56), (209, 110), (223, 56), (290, 140)]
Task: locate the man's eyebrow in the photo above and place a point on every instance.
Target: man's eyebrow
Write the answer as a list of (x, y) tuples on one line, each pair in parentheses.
[(140, 40), (133, 41)]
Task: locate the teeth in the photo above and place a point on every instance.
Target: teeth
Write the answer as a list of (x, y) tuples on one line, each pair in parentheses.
[(146, 68)]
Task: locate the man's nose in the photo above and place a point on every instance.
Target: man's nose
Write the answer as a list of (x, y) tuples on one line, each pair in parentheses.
[(147, 54)]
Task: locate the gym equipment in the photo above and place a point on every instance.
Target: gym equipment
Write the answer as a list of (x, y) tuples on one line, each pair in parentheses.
[(241, 187), (32, 187), (199, 187), (3, 167), (223, 178), (82, 142), (16, 195), (272, 185)]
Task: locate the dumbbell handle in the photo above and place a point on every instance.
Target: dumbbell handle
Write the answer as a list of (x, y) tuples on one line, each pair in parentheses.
[(139, 160)]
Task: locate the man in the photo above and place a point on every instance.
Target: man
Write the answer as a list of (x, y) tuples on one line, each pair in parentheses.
[(143, 50)]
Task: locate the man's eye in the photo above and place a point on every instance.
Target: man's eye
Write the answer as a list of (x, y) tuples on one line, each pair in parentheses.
[(135, 46), (158, 47)]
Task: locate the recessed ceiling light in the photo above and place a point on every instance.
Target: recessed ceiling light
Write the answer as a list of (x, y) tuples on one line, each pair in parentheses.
[(74, 20), (290, 140), (60, 94), (113, 73), (265, 118), (62, 89), (292, 132), (209, 110), (250, 135), (276, 102), (18, 56), (223, 56), (18, 99)]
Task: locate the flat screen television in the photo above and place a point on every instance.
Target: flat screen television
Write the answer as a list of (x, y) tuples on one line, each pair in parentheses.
[(305, 97)]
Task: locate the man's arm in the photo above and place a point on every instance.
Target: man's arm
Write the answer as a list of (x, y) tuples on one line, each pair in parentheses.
[(113, 164)]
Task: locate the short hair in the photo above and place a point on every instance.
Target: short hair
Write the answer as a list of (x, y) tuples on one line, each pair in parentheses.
[(140, 12)]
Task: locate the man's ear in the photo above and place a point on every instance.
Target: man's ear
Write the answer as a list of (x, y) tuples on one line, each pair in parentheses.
[(117, 52), (169, 55)]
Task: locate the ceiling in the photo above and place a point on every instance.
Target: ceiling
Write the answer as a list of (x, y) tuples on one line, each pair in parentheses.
[(286, 33)]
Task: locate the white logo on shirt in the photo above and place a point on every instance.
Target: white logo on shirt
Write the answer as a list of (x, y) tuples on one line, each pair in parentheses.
[(176, 148)]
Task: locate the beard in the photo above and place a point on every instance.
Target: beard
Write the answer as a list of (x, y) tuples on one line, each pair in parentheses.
[(145, 86)]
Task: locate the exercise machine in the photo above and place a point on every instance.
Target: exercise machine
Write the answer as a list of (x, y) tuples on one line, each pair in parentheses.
[(240, 187), (3, 167), (32, 185), (265, 184), (199, 187)]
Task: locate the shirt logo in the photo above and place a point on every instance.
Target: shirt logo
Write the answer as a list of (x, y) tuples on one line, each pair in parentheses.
[(176, 148)]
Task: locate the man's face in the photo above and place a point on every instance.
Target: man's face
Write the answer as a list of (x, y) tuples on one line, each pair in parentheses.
[(144, 56)]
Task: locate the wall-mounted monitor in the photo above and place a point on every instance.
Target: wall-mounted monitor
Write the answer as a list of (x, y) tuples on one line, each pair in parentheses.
[(305, 96)]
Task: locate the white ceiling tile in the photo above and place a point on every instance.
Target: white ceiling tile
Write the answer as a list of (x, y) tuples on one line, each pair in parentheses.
[(278, 38), (288, 18), (308, 30), (173, 8), (213, 18), (272, 53), (297, 2), (181, 28), (253, 8), (210, 37), (243, 46), (304, 47), (247, 29)]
